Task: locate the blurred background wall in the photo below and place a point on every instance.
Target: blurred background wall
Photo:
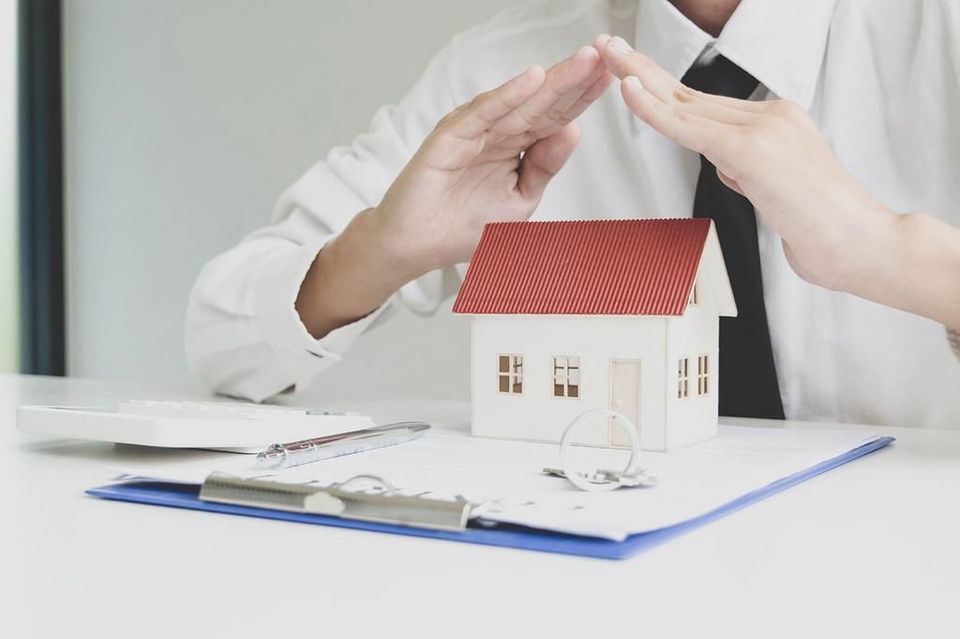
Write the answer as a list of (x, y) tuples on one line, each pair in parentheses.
[(183, 122), (9, 351)]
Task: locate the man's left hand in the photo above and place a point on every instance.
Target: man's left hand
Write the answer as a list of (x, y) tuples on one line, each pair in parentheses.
[(770, 152)]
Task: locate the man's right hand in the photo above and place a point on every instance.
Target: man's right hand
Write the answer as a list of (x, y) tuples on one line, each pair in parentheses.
[(490, 160), (487, 161)]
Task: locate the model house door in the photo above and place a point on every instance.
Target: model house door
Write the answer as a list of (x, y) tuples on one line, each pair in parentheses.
[(624, 396)]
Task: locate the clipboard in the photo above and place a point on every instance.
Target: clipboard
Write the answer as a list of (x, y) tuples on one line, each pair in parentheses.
[(502, 535)]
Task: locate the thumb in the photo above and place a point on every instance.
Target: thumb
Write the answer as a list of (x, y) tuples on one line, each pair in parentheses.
[(729, 182), (544, 159)]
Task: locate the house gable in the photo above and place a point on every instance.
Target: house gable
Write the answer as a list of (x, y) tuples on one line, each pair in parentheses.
[(712, 276)]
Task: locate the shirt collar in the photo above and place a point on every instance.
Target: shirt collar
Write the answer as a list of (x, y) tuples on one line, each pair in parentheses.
[(779, 42)]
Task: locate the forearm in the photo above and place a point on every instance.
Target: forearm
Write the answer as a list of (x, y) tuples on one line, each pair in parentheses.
[(353, 275), (242, 336), (910, 262), (475, 167)]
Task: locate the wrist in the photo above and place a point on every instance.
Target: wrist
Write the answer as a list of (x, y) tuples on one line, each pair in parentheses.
[(374, 253), (408, 252), (914, 268), (351, 276), (864, 247)]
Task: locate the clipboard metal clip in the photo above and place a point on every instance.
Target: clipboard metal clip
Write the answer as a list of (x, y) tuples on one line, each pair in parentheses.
[(383, 506)]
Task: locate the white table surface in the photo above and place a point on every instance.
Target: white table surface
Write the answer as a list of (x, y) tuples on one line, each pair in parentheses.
[(869, 549)]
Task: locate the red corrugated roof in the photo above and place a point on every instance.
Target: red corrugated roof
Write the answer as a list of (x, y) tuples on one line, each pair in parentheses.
[(595, 267)]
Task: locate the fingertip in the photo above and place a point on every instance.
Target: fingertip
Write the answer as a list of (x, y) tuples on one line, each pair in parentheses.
[(588, 52), (619, 46), (600, 42), (617, 62)]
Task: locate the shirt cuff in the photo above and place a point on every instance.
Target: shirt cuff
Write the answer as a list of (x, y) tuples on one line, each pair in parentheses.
[(300, 355)]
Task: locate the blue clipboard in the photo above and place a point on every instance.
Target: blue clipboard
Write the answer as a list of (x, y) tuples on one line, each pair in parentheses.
[(186, 496)]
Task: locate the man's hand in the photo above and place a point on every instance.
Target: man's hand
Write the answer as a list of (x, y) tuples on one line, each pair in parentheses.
[(834, 233), (769, 152), (489, 160)]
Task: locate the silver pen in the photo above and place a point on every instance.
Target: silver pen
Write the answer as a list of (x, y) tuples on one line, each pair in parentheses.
[(355, 441)]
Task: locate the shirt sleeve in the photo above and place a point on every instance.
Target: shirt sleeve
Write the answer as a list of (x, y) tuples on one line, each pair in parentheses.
[(953, 337), (243, 336)]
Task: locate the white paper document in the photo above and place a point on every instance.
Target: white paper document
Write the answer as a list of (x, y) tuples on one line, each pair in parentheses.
[(504, 479)]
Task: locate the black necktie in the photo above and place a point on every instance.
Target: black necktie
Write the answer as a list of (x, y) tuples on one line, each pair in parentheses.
[(748, 378)]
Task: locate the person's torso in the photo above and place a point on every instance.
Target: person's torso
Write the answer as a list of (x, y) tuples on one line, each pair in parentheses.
[(886, 78)]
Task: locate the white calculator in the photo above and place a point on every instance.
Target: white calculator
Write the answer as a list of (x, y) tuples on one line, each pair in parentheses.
[(233, 426)]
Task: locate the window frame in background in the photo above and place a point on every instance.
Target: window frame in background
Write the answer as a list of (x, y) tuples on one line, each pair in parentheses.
[(40, 194)]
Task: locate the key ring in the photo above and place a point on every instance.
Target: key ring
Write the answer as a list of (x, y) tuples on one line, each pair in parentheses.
[(599, 481)]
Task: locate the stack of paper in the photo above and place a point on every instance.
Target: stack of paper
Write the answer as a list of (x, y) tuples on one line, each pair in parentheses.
[(505, 481)]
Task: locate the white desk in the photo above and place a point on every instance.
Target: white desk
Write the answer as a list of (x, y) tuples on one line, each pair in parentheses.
[(870, 549)]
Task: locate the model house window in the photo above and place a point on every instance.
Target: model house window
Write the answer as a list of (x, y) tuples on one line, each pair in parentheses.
[(566, 376), (694, 298), (703, 375), (683, 378), (510, 374)]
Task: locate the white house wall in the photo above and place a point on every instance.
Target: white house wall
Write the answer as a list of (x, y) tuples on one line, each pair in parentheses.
[(536, 414), (692, 418)]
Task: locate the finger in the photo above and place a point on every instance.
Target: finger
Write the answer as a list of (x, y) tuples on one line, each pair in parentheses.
[(752, 106), (697, 103), (600, 42), (672, 92), (623, 61), (692, 131), (569, 106), (571, 74), (591, 95), (544, 159), (478, 115)]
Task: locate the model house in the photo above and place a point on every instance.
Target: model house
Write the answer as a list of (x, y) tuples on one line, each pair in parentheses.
[(572, 316)]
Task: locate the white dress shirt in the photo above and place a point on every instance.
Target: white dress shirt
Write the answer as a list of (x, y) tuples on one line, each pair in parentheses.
[(879, 78)]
